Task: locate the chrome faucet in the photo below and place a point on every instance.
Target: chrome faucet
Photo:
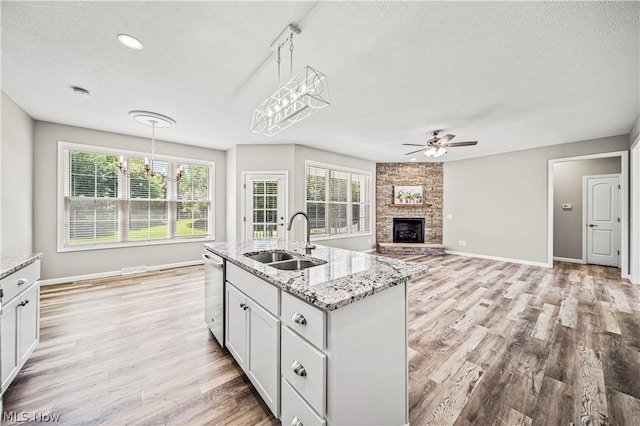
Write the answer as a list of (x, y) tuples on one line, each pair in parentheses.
[(308, 247)]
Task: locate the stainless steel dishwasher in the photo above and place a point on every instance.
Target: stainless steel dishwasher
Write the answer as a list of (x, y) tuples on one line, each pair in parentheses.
[(214, 295)]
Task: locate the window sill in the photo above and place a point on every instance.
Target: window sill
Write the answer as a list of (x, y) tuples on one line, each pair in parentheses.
[(339, 236), (63, 249)]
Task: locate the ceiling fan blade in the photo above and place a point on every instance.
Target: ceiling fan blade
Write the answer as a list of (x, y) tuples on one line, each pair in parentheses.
[(413, 144), (446, 138), (454, 144), (413, 152)]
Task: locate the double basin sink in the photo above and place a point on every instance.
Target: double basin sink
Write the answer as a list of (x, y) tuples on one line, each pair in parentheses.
[(284, 260)]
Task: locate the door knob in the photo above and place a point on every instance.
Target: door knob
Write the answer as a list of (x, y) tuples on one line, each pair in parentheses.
[(591, 225)]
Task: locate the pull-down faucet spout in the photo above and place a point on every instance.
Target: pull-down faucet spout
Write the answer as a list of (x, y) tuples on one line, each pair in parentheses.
[(308, 247)]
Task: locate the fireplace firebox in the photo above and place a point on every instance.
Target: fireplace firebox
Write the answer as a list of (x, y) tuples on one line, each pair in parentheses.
[(408, 230)]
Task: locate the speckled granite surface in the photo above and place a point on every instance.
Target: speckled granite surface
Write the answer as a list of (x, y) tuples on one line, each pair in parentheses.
[(10, 264), (347, 276)]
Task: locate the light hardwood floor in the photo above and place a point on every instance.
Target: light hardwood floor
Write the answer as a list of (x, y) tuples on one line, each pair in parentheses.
[(490, 343)]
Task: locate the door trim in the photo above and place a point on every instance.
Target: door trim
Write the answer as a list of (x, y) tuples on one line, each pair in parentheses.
[(624, 188), (585, 214), (243, 203), (634, 267)]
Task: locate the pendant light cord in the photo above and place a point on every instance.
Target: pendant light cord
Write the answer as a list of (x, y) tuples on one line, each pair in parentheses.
[(153, 142), (278, 66), (291, 55)]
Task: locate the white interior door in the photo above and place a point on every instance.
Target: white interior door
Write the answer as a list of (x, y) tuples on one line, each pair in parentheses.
[(265, 206), (603, 220)]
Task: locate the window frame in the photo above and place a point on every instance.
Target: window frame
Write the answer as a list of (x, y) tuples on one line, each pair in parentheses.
[(350, 203), (60, 194)]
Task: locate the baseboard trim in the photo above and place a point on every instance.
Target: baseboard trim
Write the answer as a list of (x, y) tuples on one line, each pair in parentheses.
[(569, 259), (62, 280), (501, 259)]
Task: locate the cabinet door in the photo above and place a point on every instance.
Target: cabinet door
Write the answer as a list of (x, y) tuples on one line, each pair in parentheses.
[(9, 342), (28, 330), (236, 325), (264, 354)]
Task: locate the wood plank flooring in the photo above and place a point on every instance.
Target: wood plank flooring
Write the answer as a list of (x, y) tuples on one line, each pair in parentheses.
[(489, 343)]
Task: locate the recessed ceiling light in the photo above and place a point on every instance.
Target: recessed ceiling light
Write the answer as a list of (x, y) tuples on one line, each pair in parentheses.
[(80, 91), (130, 41), (414, 159)]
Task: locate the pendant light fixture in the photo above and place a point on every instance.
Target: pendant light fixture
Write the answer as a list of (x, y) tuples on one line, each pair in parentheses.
[(302, 96), (154, 120)]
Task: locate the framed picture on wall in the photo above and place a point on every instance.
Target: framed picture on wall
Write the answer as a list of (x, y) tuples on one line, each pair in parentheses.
[(407, 195)]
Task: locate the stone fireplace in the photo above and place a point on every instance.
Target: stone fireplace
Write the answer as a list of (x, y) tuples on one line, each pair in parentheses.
[(408, 230), (428, 212)]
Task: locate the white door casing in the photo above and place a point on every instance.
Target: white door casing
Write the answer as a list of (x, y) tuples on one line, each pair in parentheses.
[(602, 219), (265, 202)]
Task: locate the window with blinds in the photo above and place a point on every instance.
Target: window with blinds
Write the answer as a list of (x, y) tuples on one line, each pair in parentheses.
[(337, 200), (104, 207)]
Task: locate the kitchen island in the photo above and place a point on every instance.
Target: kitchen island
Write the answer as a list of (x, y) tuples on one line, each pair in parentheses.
[(325, 344)]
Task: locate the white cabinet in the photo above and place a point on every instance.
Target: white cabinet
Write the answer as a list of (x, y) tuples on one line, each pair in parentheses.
[(19, 320), (264, 353), (236, 323), (342, 367), (9, 336), (347, 366), (253, 338)]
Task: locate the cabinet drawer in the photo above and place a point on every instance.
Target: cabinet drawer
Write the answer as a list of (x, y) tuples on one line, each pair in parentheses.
[(17, 282), (256, 288), (295, 410), (304, 319), (310, 363)]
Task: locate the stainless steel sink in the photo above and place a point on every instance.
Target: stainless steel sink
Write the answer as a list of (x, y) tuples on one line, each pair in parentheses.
[(297, 264), (271, 256)]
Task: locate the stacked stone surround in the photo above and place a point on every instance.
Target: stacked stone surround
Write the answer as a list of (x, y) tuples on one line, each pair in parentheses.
[(430, 176)]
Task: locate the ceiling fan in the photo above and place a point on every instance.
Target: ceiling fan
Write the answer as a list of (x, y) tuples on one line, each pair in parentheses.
[(436, 147)]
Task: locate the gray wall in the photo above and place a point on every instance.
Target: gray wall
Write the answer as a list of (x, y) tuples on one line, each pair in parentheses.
[(567, 188), (290, 158), (254, 158), (499, 202), (69, 264), (16, 193)]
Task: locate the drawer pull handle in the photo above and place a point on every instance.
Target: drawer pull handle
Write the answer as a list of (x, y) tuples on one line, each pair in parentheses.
[(299, 318), (296, 421), (298, 369), (23, 281), (24, 302)]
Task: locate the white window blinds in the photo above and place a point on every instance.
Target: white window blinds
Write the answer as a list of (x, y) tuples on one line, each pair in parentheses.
[(103, 206), (337, 201)]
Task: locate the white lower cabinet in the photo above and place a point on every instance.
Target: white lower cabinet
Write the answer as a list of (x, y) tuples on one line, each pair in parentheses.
[(313, 367), (19, 320), (253, 338), (295, 410)]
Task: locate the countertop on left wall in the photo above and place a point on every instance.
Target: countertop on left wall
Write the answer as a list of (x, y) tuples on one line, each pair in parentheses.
[(10, 264)]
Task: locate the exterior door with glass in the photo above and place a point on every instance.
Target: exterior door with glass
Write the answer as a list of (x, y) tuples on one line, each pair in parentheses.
[(265, 206)]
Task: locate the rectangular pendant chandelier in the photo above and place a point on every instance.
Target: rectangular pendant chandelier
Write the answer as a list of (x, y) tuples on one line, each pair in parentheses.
[(301, 97)]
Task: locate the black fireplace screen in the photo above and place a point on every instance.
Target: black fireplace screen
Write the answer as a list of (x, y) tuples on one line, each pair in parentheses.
[(408, 230)]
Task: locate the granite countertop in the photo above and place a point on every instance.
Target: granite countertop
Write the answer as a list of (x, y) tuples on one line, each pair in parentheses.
[(348, 276), (10, 264)]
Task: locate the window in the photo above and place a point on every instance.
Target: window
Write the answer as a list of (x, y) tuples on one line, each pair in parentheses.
[(102, 207), (337, 200)]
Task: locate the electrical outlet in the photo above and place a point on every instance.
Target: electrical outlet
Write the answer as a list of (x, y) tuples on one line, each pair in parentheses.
[(449, 216), (462, 243)]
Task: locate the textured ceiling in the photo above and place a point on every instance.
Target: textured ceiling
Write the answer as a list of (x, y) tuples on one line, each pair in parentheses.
[(512, 75)]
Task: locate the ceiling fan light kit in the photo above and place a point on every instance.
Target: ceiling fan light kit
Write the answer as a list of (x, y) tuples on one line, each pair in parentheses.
[(303, 95), (436, 147)]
